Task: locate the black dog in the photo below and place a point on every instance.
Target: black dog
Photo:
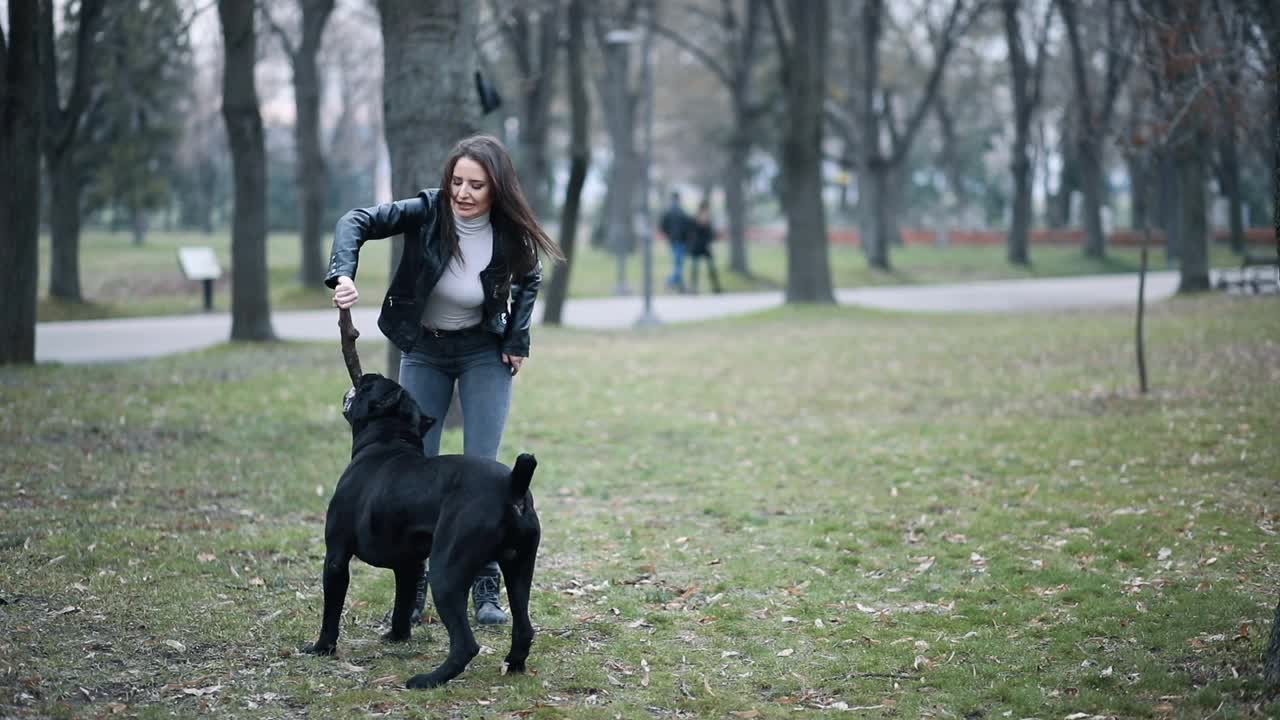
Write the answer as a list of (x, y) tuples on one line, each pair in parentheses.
[(394, 507)]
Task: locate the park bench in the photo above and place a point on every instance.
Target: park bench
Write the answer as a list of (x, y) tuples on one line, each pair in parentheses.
[(200, 263), (1257, 274)]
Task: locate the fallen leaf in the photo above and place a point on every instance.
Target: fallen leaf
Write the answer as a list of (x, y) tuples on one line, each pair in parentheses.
[(176, 645), (206, 557), (200, 692), (786, 653), (745, 713)]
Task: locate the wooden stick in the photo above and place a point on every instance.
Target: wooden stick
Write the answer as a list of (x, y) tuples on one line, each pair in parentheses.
[(349, 334)]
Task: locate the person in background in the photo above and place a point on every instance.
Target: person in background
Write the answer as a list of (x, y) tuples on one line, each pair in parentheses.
[(699, 238), (675, 226), (460, 304)]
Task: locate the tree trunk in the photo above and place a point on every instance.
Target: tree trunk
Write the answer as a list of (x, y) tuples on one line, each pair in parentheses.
[(579, 161), (808, 270), (875, 179), (1195, 236), (61, 137), (1092, 184), (1168, 196), (619, 106), (19, 181), (1059, 210), (535, 47), (138, 216), (876, 233), (1138, 165), (64, 227), (1230, 182), (735, 200), (1025, 97), (435, 39), (1020, 223), (313, 171), (250, 299)]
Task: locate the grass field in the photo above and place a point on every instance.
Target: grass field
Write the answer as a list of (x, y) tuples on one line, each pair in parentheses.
[(118, 279), (814, 511)]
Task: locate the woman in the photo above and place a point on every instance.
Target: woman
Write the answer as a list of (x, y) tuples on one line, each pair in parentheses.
[(460, 304), (700, 235)]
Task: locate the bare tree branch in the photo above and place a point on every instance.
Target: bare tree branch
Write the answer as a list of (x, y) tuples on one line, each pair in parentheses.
[(703, 56)]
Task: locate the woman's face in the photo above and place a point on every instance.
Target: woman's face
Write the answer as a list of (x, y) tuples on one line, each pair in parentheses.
[(472, 192)]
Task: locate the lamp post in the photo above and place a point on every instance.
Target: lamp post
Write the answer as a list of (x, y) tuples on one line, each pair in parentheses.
[(628, 37)]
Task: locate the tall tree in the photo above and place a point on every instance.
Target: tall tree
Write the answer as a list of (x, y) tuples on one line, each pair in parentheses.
[(579, 159), (429, 97), (532, 34), (1096, 105), (1232, 28), (619, 99), (250, 299), (883, 161), (312, 170), (61, 136), (804, 54), (734, 65), (20, 180), (1027, 79), (133, 123)]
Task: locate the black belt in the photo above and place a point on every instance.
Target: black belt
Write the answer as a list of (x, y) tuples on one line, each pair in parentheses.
[(461, 332)]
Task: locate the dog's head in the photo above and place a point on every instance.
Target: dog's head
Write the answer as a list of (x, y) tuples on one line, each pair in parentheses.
[(376, 398)]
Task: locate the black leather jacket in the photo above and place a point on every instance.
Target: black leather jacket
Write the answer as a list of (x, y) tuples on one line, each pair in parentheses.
[(424, 260)]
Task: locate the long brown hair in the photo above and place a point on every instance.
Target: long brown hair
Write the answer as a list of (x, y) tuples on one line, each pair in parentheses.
[(510, 215)]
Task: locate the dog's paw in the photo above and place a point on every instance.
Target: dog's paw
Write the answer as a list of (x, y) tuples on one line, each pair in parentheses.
[(425, 681), (394, 637), (320, 649), (511, 667)]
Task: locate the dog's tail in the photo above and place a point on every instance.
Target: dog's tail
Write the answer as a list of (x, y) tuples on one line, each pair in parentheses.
[(522, 475)]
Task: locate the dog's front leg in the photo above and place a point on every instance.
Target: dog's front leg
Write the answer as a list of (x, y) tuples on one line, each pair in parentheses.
[(337, 576), (449, 587), (406, 590)]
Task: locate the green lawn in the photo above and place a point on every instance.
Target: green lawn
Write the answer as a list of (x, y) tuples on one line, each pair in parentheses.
[(119, 279), (810, 510)]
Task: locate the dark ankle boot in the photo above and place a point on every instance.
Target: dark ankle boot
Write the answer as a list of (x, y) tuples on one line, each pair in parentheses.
[(484, 593), (419, 600)]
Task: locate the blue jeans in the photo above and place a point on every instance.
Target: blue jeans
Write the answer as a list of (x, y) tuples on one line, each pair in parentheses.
[(473, 359), (678, 251)]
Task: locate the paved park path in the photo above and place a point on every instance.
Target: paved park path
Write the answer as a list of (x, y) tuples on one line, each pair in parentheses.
[(91, 341)]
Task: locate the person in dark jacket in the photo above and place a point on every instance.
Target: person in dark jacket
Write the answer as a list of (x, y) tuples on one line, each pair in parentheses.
[(460, 304), (699, 238), (675, 226)]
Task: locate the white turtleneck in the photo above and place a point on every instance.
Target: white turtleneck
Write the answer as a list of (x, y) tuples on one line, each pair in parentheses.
[(458, 298)]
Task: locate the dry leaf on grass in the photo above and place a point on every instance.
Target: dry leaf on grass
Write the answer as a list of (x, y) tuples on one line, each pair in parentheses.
[(200, 692)]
